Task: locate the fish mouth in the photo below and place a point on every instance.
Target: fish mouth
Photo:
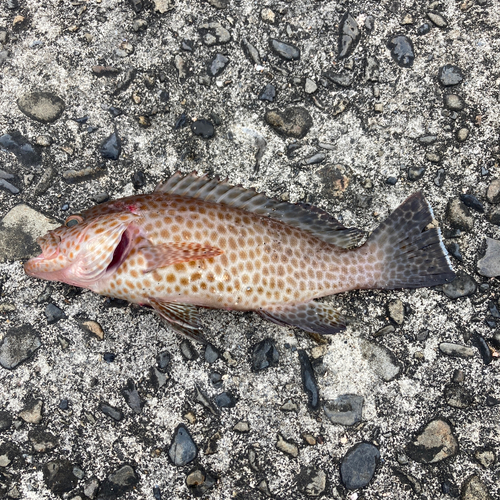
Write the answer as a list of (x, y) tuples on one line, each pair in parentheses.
[(49, 244)]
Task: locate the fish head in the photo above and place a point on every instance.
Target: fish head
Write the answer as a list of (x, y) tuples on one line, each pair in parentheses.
[(83, 250)]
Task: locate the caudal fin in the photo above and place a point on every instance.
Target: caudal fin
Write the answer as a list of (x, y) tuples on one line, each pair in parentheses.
[(412, 257)]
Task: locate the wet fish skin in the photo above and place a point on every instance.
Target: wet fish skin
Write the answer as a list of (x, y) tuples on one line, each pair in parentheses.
[(199, 242)]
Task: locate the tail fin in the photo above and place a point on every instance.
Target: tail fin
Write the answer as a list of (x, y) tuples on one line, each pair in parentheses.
[(412, 257)]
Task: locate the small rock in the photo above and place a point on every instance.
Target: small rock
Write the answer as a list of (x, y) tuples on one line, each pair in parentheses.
[(402, 51), (459, 215), (32, 412), (416, 173), (378, 107), (381, 360), (217, 65), (264, 355), (139, 25), (372, 69), (474, 489), (42, 441), (345, 410), (44, 107), (18, 345), (54, 314), (250, 52), (358, 465), (289, 406), (385, 330), (456, 350), (315, 159), (22, 149), (408, 479), (182, 449), (391, 181), (349, 36), (213, 33), (105, 71), (453, 102), (493, 191), (225, 400), (433, 157), (131, 395), (202, 398), (450, 75), (472, 202), (5, 420), (310, 86), (427, 140), (163, 361), (309, 380), (284, 50), (440, 177), (437, 19), (187, 350), (287, 447), (203, 128), (242, 426), (268, 16), (268, 93), (423, 29), (118, 483), (462, 286), (111, 411), (457, 396), (311, 481), (111, 147), (396, 311), (454, 250), (292, 122), (483, 348), (59, 477), (211, 354), (489, 265), (433, 444), (485, 457)]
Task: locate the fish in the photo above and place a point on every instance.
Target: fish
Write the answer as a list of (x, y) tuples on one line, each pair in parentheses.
[(201, 242)]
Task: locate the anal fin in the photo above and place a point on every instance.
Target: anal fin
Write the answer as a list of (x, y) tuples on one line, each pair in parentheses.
[(314, 317), (183, 318)]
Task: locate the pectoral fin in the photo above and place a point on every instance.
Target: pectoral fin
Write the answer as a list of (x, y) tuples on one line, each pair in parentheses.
[(183, 318), (314, 317), (174, 253)]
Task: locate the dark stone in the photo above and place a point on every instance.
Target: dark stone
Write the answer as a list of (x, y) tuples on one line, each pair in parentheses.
[(494, 310), (111, 147), (131, 395), (440, 177), (284, 50), (59, 477), (109, 357), (42, 441), (43, 107), (202, 398), (349, 36), (494, 217), (415, 173), (471, 201), (182, 450), (459, 215), (345, 410), (138, 179), (391, 180), (187, 45), (118, 483), (157, 493), (268, 93), (450, 75), (115, 112), (462, 286), (180, 122), (423, 29), (454, 250), (264, 355), (225, 400), (216, 379), (5, 420), (217, 65), (341, 79), (111, 412), (433, 443), (457, 396), (18, 345), (54, 314), (358, 465), (309, 380), (311, 481), (402, 51), (163, 360), (251, 53), (292, 122), (369, 23), (203, 128), (187, 350), (483, 348), (19, 146), (105, 71), (199, 482), (211, 354), (64, 404)]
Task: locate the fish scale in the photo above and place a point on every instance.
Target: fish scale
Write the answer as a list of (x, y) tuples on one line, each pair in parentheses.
[(197, 241)]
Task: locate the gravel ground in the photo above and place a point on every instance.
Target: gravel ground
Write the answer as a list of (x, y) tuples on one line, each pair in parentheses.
[(106, 99)]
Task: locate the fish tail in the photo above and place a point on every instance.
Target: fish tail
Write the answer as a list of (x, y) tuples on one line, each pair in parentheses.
[(408, 254)]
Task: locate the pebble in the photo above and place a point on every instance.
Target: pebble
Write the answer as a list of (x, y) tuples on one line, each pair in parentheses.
[(454, 102), (132, 398), (416, 173), (289, 406), (225, 400), (459, 215), (138, 179), (462, 134), (58, 476), (423, 29), (287, 447), (454, 250), (433, 444), (437, 19), (341, 79), (18, 345), (474, 489), (358, 465), (21, 148), (291, 122), (92, 327), (203, 128), (372, 69), (386, 330), (217, 65), (391, 181), (32, 412), (315, 159), (457, 396), (396, 311), (309, 380), (180, 64), (483, 348), (485, 457), (427, 140), (450, 75), (53, 314), (5, 420), (489, 265), (311, 481), (139, 25), (493, 191), (42, 441), (268, 16), (472, 202), (456, 350), (462, 286), (182, 450), (180, 122), (187, 350), (264, 355), (432, 157), (250, 52), (310, 86), (402, 51), (440, 177), (111, 147), (349, 36), (369, 23), (202, 398), (105, 71), (213, 33), (118, 483), (73, 176), (268, 93), (211, 354), (111, 411), (286, 51), (347, 409), (381, 360), (44, 107), (242, 426)]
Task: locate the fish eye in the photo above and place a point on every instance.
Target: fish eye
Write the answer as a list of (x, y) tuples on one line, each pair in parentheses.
[(73, 220)]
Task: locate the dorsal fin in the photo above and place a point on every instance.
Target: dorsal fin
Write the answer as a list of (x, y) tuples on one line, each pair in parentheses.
[(305, 217)]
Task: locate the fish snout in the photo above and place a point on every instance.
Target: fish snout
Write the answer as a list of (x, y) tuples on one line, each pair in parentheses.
[(49, 243)]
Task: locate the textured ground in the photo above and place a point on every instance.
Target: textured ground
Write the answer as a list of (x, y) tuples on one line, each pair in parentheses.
[(370, 133)]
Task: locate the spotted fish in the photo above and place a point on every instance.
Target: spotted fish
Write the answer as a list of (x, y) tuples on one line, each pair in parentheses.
[(200, 242)]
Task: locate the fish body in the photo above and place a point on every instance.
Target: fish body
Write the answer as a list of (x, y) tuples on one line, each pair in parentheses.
[(200, 242)]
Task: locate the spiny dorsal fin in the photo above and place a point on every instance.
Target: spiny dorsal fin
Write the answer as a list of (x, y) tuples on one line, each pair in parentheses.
[(308, 218)]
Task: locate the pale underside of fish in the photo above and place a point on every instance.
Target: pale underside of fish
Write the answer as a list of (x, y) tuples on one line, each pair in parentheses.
[(201, 242)]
